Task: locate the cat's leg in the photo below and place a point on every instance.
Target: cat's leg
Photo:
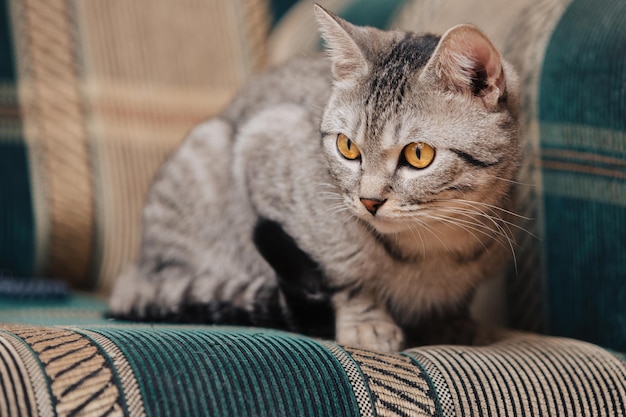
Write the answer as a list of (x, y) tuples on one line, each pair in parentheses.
[(197, 262), (361, 322)]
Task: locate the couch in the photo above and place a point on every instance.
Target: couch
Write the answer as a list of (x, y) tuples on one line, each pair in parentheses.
[(95, 94)]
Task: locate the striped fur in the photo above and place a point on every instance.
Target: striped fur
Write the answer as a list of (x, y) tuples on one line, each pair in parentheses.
[(257, 218)]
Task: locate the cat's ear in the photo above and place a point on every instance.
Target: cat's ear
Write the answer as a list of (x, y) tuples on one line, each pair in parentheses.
[(342, 41), (466, 61)]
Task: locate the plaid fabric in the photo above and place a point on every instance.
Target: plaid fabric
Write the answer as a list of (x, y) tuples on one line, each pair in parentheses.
[(96, 367), (93, 97), (582, 114)]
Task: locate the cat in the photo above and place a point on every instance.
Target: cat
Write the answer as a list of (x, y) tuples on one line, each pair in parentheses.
[(361, 194)]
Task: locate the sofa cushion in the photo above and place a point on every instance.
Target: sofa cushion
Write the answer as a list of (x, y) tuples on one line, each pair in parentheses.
[(100, 367)]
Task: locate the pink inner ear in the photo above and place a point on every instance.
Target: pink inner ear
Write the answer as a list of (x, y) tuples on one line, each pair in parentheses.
[(468, 52), (486, 56)]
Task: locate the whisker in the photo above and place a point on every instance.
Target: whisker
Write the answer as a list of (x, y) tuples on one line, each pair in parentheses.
[(496, 220), (497, 233), (467, 226), (480, 203), (512, 181), (432, 232)]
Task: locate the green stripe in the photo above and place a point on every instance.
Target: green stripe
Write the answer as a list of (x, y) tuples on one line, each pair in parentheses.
[(17, 246), (582, 105), (225, 372), (17, 223), (584, 70), (278, 9), (586, 266), (7, 64), (374, 13)]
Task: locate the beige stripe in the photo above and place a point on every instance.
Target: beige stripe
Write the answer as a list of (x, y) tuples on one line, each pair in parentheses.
[(37, 387), (76, 369), (11, 373), (397, 385), (152, 72), (582, 156), (585, 187), (54, 122), (132, 394), (256, 23), (546, 376), (592, 138), (584, 169)]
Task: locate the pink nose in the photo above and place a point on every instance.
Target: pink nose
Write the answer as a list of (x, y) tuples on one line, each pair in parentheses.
[(372, 204)]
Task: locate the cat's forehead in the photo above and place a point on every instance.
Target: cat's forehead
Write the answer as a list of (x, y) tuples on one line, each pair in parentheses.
[(408, 52), (389, 82)]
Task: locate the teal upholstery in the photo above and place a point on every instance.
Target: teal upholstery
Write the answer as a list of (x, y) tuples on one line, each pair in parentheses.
[(582, 115)]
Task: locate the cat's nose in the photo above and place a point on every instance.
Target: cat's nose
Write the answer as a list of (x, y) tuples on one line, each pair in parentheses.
[(372, 204)]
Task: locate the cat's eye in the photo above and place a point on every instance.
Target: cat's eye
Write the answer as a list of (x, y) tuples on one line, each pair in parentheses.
[(419, 154), (347, 148)]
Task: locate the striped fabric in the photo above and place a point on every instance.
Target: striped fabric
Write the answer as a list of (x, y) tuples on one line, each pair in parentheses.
[(582, 117), (93, 97), (199, 371)]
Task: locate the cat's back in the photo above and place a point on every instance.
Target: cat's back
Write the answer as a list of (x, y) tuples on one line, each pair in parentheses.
[(304, 80)]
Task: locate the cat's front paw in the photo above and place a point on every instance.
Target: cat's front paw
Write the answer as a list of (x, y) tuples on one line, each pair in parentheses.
[(378, 335)]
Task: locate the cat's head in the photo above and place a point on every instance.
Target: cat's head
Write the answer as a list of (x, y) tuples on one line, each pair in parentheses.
[(416, 122)]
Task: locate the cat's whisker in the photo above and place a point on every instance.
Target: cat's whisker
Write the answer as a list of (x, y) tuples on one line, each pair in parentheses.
[(467, 226), (414, 230), (499, 229), (429, 228), (325, 184), (500, 237), (493, 218), (491, 206), (512, 181), (336, 209), (508, 241)]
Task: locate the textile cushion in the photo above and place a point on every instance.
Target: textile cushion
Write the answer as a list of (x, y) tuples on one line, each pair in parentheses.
[(582, 118), (95, 367)]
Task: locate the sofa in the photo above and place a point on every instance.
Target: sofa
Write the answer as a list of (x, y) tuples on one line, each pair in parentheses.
[(95, 94)]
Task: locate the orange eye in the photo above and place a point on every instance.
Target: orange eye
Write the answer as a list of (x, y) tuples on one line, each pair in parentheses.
[(347, 148), (419, 155)]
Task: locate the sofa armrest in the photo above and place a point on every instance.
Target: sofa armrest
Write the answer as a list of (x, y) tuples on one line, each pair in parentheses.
[(159, 370)]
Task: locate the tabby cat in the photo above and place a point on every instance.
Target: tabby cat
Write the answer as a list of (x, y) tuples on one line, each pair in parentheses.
[(361, 195)]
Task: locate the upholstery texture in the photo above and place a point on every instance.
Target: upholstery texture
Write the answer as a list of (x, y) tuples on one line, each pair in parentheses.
[(93, 97), (97, 367), (582, 116)]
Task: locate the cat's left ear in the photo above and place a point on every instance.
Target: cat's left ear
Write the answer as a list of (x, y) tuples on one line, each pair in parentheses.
[(465, 61), (342, 42)]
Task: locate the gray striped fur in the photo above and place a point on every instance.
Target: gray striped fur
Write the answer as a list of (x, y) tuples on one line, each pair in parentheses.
[(272, 157)]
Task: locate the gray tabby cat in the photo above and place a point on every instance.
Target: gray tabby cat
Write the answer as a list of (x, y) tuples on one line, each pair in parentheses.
[(362, 196)]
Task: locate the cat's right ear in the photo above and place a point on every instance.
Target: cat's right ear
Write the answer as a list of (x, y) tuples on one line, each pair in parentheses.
[(466, 61), (341, 37)]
